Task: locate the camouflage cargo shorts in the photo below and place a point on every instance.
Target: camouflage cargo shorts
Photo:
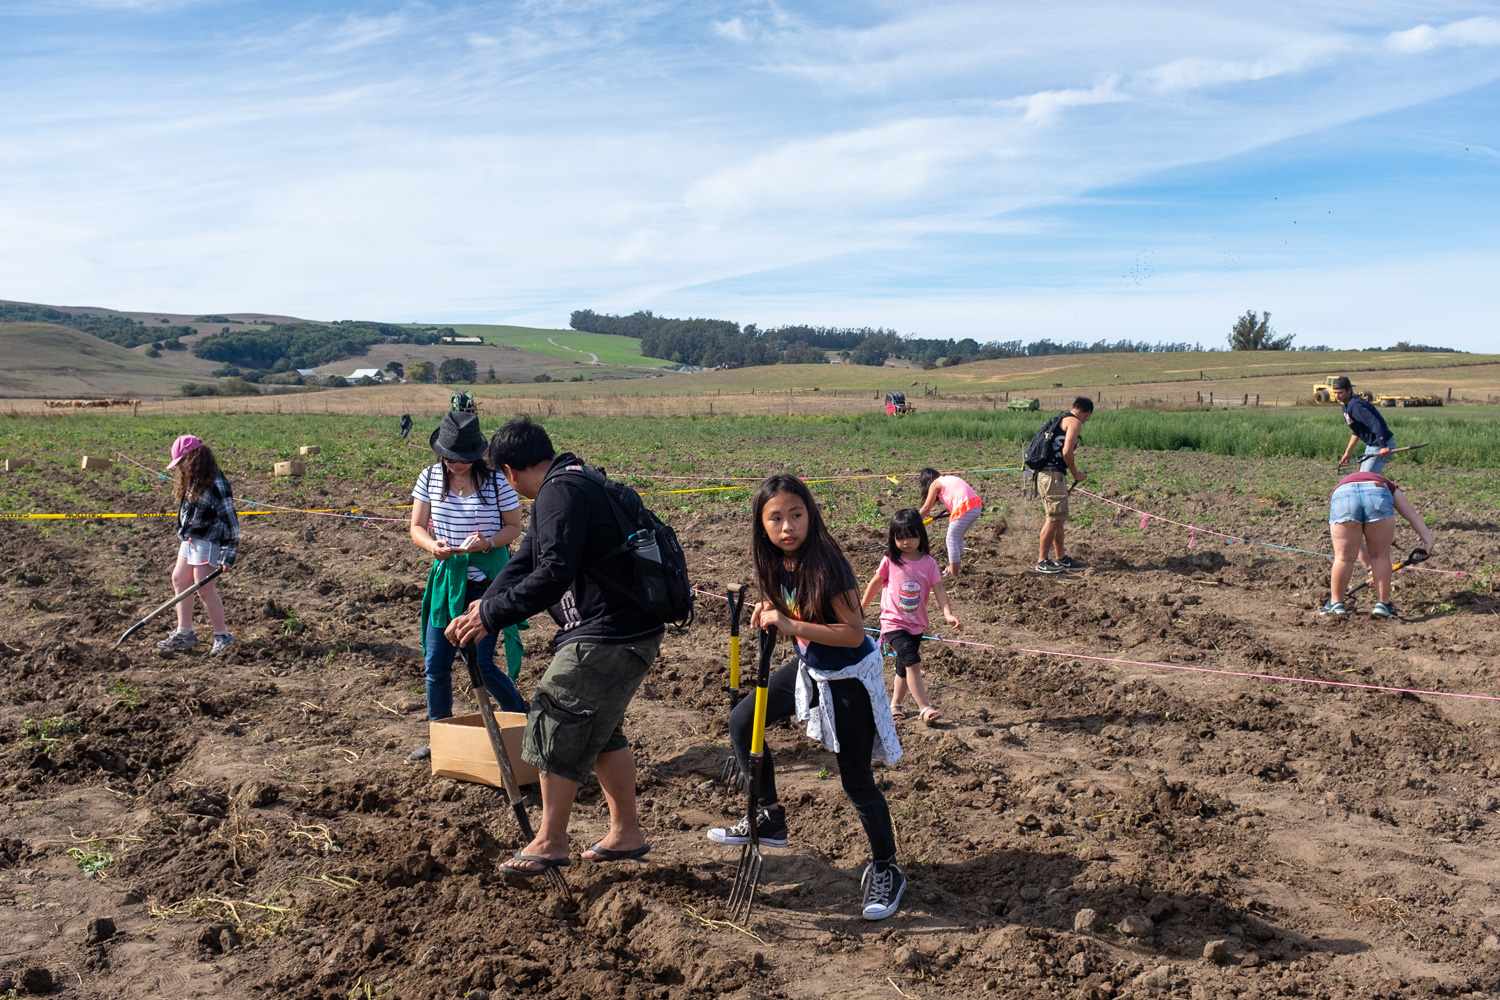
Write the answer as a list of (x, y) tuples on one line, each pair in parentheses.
[(579, 705)]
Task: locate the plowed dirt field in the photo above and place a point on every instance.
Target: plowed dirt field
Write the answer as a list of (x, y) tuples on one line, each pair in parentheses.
[(1071, 828)]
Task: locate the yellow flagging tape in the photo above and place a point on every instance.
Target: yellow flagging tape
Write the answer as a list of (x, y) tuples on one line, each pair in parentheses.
[(173, 513)]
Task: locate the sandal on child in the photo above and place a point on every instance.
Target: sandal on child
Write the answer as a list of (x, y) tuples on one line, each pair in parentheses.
[(898, 713), (930, 716)]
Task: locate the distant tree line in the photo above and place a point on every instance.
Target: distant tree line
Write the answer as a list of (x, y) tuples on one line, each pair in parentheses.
[(711, 342), (286, 346), (120, 330)]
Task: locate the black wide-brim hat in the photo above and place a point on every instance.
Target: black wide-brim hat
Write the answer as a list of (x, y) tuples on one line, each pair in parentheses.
[(458, 437)]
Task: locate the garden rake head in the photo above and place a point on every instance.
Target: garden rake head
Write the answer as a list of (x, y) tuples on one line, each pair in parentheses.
[(747, 874), (1417, 556), (731, 774), (507, 773)]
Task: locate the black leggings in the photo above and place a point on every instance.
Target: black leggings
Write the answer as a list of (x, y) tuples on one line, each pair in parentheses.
[(854, 722)]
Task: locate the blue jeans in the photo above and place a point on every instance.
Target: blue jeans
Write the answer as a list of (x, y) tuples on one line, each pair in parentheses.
[(1373, 460), (440, 656)]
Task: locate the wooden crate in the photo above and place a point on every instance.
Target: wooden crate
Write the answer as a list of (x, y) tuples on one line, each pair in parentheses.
[(310, 449), (12, 464), (291, 468), (94, 462)]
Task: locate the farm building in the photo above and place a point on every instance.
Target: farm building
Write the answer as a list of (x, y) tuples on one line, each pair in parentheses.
[(463, 340), (370, 373)]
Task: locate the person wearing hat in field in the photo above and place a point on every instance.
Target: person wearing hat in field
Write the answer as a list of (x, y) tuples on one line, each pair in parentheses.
[(464, 515), (1365, 424), (209, 534)]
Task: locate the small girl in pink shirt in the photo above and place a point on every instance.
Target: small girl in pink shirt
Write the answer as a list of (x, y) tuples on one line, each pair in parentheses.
[(907, 573)]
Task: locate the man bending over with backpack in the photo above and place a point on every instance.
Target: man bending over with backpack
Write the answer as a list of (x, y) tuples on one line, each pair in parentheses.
[(573, 564), (1060, 438)]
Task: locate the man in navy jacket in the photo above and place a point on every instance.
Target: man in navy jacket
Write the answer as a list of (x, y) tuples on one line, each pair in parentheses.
[(1365, 424)]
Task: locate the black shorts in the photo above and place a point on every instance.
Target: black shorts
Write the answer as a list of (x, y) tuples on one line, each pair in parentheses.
[(904, 645)]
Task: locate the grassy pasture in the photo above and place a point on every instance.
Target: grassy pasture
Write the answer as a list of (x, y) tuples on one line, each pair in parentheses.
[(565, 345), (364, 456)]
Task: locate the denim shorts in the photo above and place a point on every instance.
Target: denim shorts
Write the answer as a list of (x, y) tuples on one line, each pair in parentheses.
[(197, 552), (1363, 502)]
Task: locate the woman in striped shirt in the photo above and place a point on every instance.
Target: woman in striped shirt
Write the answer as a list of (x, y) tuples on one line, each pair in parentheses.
[(465, 516)]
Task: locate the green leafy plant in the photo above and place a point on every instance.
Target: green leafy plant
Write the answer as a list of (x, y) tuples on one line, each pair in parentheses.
[(92, 859), (292, 625), (126, 694), (824, 774), (46, 733)]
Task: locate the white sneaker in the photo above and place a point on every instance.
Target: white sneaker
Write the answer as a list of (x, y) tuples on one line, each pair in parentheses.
[(179, 640), (221, 643)]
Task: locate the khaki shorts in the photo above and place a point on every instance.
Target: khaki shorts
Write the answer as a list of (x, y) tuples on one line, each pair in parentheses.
[(580, 703), (1053, 488)]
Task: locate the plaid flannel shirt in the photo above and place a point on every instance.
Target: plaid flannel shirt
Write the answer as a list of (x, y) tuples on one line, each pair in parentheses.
[(211, 518)]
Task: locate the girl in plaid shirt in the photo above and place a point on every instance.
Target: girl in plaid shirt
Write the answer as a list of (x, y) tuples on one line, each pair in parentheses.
[(210, 534)]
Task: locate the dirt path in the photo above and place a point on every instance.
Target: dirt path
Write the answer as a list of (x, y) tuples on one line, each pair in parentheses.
[(259, 833), (593, 358)]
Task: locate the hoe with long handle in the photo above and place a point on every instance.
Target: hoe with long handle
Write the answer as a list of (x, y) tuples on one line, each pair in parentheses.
[(507, 775), (747, 875), (170, 604), (731, 775), (1417, 555), (1394, 451)]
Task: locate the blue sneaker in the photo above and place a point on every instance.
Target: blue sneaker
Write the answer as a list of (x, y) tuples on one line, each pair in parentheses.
[(1383, 609), (1334, 608)]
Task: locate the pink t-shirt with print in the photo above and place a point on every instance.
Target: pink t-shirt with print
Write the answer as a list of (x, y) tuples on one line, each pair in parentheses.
[(903, 602)]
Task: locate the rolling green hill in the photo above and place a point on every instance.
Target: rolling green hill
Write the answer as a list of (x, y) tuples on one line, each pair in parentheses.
[(46, 360), (565, 345)]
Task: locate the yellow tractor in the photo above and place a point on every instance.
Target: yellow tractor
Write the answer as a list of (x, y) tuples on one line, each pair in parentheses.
[(1323, 391)]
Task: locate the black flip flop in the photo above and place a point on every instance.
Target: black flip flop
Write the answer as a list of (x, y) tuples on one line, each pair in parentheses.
[(537, 859), (610, 854)]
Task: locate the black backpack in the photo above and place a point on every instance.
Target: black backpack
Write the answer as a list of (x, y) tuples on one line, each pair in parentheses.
[(1039, 454), (661, 587)]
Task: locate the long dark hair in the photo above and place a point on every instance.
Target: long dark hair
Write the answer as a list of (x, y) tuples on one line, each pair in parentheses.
[(479, 474), (195, 474), (821, 572), (905, 523), (929, 476)]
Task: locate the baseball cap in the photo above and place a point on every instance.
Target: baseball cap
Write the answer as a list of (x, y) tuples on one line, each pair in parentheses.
[(1342, 382), (181, 447)]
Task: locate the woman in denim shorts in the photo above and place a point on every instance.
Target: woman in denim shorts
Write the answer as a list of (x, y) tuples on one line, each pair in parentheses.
[(1362, 512)]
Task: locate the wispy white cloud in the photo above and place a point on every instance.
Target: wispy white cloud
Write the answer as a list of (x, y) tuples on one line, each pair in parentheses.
[(511, 159), (1424, 37)]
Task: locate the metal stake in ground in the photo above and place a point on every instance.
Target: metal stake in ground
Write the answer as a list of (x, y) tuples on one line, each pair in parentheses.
[(747, 875), (507, 775), (1417, 555), (170, 604), (735, 594)]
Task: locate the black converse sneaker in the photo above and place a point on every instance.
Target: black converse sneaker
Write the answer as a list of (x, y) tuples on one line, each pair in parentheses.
[(770, 827), (883, 883)]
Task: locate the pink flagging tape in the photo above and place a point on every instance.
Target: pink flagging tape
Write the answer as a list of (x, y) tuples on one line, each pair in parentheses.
[(1214, 670), (1256, 676), (1185, 668), (1193, 530)]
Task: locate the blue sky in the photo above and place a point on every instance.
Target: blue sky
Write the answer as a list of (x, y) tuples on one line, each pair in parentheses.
[(1001, 171)]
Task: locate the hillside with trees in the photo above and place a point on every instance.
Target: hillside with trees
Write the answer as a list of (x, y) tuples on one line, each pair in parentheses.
[(709, 343)]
